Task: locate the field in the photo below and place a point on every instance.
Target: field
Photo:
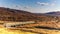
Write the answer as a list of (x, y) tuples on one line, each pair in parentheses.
[(7, 31), (28, 31)]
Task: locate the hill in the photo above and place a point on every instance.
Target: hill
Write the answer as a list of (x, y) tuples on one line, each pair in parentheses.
[(7, 14), (56, 13)]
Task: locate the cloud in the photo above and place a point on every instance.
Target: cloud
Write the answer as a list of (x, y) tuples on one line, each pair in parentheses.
[(46, 4), (41, 3)]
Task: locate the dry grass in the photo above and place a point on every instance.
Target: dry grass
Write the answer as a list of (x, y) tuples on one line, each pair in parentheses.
[(41, 31), (5, 31), (28, 31)]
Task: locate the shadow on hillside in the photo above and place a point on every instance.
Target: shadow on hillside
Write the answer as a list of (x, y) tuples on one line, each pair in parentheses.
[(49, 28)]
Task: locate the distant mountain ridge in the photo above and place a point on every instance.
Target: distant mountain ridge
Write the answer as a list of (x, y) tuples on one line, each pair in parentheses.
[(54, 13)]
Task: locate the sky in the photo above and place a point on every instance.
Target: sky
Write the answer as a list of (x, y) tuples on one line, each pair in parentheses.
[(34, 6)]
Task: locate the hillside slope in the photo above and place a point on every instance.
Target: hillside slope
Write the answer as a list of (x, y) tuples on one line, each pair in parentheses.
[(7, 14)]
